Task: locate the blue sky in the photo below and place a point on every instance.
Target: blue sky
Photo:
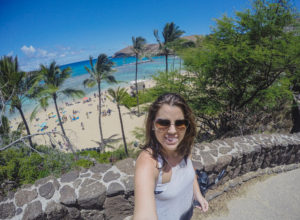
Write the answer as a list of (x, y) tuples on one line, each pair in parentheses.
[(67, 31)]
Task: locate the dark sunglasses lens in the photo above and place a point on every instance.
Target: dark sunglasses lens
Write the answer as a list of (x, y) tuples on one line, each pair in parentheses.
[(162, 123), (181, 124)]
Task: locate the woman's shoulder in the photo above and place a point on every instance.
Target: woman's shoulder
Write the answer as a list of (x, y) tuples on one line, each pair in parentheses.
[(146, 160), (146, 156)]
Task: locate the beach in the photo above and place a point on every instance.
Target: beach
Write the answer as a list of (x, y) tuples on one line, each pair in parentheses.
[(81, 122)]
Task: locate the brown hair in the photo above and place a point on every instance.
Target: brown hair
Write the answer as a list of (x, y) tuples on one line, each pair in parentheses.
[(185, 146)]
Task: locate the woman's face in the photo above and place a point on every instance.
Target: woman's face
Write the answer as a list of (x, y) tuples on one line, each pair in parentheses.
[(170, 137)]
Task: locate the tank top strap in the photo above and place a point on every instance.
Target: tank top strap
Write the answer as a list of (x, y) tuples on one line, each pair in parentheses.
[(160, 165)]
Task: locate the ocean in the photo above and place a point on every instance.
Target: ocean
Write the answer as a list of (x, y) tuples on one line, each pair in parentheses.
[(124, 73)]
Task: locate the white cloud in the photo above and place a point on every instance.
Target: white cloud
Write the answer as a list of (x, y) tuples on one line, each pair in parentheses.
[(41, 53), (10, 54), (62, 55), (29, 51)]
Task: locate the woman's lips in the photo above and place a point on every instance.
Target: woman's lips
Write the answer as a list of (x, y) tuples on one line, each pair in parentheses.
[(171, 140)]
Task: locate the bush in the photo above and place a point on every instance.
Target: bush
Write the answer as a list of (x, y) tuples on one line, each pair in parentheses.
[(24, 167), (31, 168), (84, 163)]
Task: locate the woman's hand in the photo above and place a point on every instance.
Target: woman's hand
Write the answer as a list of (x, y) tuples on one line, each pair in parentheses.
[(203, 204)]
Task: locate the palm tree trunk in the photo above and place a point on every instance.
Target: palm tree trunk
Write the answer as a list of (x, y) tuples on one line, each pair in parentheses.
[(99, 117), (166, 62), (26, 125), (122, 129), (62, 127), (136, 86), (58, 115)]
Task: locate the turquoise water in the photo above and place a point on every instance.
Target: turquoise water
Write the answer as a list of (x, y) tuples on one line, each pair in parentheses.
[(125, 72)]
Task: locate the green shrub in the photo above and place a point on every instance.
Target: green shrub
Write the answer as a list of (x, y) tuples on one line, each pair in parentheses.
[(84, 163), (22, 166), (31, 169)]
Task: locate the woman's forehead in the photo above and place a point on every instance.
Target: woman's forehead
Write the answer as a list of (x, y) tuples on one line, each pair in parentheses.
[(169, 112)]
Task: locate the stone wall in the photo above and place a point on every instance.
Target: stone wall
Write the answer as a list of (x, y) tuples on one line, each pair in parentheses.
[(106, 191)]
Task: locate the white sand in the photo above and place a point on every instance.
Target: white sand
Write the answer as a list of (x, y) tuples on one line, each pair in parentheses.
[(85, 138)]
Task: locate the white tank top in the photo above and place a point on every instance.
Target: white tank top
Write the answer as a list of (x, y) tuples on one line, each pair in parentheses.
[(174, 199)]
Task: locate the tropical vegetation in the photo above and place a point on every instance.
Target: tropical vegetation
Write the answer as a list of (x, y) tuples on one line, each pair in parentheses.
[(138, 45), (53, 78), (118, 96), (16, 86), (170, 33), (101, 71)]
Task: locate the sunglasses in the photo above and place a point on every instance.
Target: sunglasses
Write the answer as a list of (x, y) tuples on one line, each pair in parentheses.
[(164, 124)]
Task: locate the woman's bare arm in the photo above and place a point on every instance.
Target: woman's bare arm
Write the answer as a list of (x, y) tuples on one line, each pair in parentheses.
[(144, 185), (198, 195)]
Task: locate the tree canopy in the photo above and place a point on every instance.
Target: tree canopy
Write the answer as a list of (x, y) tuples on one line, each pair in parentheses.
[(243, 67)]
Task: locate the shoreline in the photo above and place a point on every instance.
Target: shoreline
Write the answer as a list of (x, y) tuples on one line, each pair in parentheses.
[(81, 121)]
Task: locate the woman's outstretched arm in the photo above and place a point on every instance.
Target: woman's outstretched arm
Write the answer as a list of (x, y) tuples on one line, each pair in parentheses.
[(144, 185)]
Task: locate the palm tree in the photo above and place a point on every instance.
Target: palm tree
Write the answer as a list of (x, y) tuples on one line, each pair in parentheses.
[(138, 48), (119, 95), (54, 78), (101, 71), (16, 86), (170, 33)]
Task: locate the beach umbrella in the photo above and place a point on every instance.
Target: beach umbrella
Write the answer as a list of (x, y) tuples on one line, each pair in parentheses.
[(43, 124), (85, 98)]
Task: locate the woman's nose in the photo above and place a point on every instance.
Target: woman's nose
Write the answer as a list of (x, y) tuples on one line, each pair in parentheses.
[(172, 129)]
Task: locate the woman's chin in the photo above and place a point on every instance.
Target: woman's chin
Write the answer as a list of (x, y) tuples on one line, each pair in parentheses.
[(170, 146)]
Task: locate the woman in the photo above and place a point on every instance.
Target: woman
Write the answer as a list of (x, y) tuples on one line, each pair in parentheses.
[(165, 180)]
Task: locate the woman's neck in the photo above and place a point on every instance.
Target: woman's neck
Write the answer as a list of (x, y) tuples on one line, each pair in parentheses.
[(173, 159)]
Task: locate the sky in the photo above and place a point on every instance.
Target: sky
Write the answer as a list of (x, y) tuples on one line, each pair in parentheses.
[(67, 31)]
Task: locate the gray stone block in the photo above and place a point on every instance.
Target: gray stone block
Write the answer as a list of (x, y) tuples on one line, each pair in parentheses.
[(117, 207), (56, 184), (25, 196), (70, 176), (7, 210), (129, 184), (73, 213), (197, 165), (43, 180), (34, 211), (97, 176), (114, 189), (110, 176), (92, 196), (47, 190), (92, 214), (126, 166), (224, 150), (222, 162), (67, 195), (77, 183), (87, 182), (100, 168), (55, 211), (208, 161), (85, 175)]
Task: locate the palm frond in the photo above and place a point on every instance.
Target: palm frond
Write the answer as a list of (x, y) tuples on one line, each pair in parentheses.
[(111, 79), (75, 93), (44, 102), (34, 112), (89, 83), (89, 71)]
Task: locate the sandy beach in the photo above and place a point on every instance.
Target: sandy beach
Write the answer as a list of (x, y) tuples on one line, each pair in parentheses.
[(81, 122)]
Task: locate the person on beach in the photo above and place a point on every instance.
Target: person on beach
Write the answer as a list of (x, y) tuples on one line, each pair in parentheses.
[(166, 186)]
